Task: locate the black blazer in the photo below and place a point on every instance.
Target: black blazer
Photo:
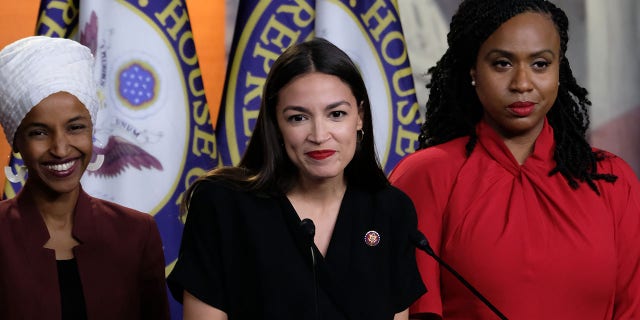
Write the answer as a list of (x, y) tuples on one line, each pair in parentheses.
[(247, 255)]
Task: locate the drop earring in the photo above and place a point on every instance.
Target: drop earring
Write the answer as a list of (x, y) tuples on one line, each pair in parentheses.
[(473, 83)]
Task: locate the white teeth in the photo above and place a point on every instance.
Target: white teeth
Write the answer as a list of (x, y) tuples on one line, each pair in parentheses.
[(62, 166)]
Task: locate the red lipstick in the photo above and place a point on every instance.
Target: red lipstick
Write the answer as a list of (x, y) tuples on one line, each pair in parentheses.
[(521, 108), (320, 154)]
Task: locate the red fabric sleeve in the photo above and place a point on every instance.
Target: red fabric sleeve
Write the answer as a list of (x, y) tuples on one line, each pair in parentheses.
[(624, 197)]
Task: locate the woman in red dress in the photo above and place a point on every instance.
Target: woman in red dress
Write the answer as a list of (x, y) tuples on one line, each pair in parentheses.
[(506, 186)]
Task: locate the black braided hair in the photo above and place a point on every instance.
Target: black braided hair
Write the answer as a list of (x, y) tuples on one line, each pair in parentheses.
[(453, 107)]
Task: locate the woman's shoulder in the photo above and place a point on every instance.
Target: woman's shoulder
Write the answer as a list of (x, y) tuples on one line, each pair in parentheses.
[(610, 163), (223, 195), (111, 210), (220, 188), (440, 160), (5, 208), (7, 203), (391, 193), (388, 198)]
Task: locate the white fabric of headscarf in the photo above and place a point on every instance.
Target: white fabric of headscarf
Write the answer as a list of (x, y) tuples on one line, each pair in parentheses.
[(34, 68)]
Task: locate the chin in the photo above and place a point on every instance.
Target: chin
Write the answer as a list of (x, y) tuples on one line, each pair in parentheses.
[(64, 189), (58, 187), (325, 175)]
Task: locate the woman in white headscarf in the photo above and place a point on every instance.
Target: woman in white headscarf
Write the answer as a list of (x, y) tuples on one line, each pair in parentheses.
[(63, 253)]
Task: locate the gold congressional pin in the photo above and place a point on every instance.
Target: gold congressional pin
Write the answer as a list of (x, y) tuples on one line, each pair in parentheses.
[(372, 238)]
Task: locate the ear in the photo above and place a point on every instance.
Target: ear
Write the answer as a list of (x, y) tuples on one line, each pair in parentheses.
[(360, 115)]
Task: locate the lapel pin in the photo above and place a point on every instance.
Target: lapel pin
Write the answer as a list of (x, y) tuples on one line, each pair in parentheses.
[(372, 238)]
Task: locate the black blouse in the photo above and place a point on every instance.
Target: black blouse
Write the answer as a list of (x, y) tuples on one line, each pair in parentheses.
[(248, 256), (73, 306)]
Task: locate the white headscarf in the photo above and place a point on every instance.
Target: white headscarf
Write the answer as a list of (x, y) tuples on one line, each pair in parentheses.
[(34, 68)]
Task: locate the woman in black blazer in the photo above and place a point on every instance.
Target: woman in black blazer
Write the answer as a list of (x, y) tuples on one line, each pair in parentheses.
[(306, 226)]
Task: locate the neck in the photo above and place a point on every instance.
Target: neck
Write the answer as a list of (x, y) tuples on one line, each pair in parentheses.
[(56, 208), (314, 199), (319, 190), (520, 144), (521, 149)]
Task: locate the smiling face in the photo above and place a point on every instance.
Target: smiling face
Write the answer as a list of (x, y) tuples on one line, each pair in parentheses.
[(54, 140), (517, 74), (318, 117)]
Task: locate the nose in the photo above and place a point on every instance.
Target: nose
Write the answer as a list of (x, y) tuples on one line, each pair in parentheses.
[(59, 145), (319, 132), (521, 81)]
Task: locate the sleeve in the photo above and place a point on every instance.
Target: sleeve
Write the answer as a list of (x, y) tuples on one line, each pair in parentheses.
[(199, 269), (627, 206), (427, 178), (407, 283), (154, 299)]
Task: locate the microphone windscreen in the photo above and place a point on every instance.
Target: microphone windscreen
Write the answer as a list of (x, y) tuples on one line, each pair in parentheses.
[(308, 227), (420, 241)]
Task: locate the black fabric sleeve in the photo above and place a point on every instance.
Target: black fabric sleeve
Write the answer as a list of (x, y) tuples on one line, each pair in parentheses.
[(199, 269), (407, 284)]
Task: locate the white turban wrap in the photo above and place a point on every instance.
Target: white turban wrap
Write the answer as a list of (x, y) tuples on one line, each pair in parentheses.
[(34, 68)]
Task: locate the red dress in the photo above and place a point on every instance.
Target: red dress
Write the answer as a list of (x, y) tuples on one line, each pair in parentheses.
[(533, 246)]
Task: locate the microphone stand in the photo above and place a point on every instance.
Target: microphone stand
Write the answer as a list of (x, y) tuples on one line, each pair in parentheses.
[(421, 243), (309, 229)]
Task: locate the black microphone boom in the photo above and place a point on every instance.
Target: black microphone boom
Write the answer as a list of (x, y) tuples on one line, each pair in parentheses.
[(309, 229), (422, 243)]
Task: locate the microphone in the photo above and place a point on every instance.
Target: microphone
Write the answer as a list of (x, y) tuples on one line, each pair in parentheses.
[(309, 230), (421, 242)]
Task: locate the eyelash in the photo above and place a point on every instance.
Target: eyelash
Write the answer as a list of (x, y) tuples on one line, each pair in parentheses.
[(296, 118), (538, 65), (75, 127), (34, 133), (541, 64), (301, 117), (338, 114), (72, 128)]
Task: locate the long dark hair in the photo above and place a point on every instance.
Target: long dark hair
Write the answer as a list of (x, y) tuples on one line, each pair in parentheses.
[(453, 107), (265, 167)]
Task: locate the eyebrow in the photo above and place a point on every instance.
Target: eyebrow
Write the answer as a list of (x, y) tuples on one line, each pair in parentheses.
[(510, 54), (330, 106), (76, 118)]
